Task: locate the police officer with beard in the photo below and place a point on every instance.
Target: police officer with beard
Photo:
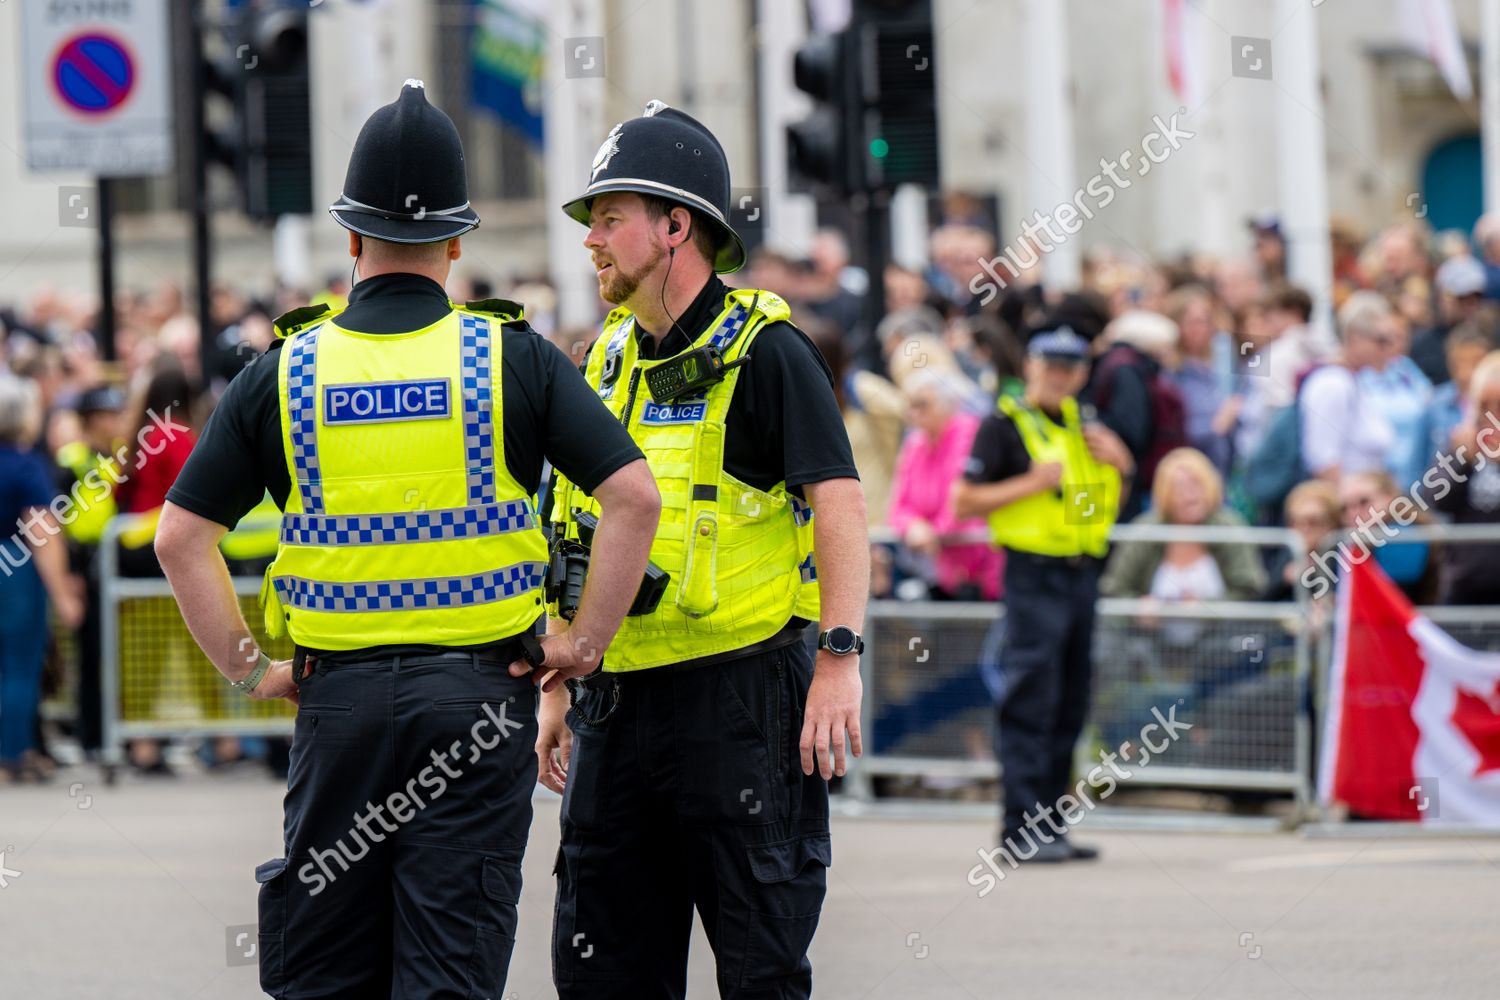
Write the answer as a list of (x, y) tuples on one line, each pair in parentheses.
[(695, 764)]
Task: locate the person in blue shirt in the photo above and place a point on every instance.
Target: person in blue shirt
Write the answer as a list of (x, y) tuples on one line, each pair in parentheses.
[(33, 567)]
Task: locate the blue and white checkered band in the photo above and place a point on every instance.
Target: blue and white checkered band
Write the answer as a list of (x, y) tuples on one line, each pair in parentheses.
[(301, 389), (479, 431), (801, 510), (730, 328), (808, 568), (449, 524), (410, 595), (610, 376)]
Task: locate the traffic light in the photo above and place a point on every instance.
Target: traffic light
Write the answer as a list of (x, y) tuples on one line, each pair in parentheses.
[(820, 147), (874, 120), (899, 137), (275, 113), (256, 110)]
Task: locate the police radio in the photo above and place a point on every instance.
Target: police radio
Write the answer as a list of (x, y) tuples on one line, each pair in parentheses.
[(686, 373), (568, 566)]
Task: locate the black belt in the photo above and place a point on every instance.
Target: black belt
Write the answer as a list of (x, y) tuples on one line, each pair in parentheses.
[(501, 654), (1064, 562), (788, 636)]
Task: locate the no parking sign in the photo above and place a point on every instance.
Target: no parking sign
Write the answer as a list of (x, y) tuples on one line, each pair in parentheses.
[(96, 79)]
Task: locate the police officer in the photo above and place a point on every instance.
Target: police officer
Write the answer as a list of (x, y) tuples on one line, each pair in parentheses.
[(403, 437), (1050, 479), (695, 765), (90, 472)]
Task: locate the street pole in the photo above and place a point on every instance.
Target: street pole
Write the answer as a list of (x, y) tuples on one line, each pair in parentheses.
[(574, 129), (1301, 157), (1489, 101), (198, 179), (106, 331), (1049, 130)]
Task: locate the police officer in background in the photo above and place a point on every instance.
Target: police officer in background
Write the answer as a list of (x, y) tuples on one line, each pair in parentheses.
[(694, 766), (403, 438), (1049, 478), (89, 473)]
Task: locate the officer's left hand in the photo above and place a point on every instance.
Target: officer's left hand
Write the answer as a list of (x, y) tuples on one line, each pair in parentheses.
[(565, 656), (1105, 446), (832, 707), (277, 683)]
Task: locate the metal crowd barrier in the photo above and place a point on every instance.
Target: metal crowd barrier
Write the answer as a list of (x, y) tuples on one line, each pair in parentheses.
[(155, 680), (1242, 672), (1238, 671)]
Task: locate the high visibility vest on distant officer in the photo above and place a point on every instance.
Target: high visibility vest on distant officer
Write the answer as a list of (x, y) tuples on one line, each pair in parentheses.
[(1073, 519), (257, 534), (403, 524), (741, 560), (95, 496)]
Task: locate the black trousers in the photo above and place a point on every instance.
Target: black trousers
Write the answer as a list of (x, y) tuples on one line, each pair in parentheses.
[(407, 810), (1046, 672), (686, 790)]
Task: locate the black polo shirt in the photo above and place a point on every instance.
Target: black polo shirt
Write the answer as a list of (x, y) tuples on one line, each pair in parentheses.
[(784, 423), (548, 410), (998, 452)]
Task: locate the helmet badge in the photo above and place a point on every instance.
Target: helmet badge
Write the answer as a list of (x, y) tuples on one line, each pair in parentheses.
[(607, 150)]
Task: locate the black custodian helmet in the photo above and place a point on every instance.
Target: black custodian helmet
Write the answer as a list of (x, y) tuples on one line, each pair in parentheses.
[(406, 180), (672, 155)]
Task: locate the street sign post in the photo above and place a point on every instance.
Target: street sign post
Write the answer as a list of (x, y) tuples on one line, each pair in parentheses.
[(96, 87)]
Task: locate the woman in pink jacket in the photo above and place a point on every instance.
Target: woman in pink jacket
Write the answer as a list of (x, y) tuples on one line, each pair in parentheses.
[(932, 459)]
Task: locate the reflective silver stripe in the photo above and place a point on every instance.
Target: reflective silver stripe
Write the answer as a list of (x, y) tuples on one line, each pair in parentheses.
[(479, 431), (446, 524), (410, 595), (301, 389), (346, 203)]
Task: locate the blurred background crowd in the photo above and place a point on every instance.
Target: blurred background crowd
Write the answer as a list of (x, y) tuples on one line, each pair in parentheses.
[(1236, 406)]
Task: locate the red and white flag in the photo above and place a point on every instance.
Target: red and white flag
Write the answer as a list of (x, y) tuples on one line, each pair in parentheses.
[(1412, 729), (1431, 29), (1182, 45)]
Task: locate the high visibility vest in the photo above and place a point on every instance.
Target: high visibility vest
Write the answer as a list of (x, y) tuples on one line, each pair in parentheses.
[(1073, 519), (741, 559), (93, 494), (257, 534), (403, 524)]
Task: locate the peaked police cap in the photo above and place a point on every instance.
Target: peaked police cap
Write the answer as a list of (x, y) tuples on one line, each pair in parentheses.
[(672, 155), (406, 179)]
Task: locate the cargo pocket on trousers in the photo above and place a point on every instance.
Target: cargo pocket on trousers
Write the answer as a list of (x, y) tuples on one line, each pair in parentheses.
[(792, 879), (271, 908), (494, 927)]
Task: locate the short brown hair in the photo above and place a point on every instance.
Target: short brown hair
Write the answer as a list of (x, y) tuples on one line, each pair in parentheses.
[(701, 230), (1292, 299)]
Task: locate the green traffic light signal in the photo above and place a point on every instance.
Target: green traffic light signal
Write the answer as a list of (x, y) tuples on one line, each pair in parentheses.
[(879, 148)]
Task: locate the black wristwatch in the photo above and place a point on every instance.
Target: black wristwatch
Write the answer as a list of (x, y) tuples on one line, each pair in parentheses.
[(841, 640)]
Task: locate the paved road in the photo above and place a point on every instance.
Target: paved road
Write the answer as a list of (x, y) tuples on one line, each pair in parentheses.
[(127, 892)]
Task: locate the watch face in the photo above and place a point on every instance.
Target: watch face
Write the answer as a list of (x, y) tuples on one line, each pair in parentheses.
[(842, 639)]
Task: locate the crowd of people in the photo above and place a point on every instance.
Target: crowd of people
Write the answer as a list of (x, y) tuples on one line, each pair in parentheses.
[(1237, 405)]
